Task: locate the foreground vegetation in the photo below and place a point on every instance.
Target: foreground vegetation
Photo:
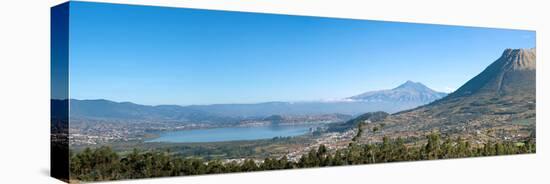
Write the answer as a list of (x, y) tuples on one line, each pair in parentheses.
[(104, 164)]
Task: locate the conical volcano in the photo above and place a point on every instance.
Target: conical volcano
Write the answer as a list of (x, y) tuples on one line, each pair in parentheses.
[(511, 74), (410, 92)]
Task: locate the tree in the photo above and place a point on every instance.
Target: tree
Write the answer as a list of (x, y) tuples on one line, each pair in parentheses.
[(433, 147), (249, 165), (214, 167), (337, 160), (284, 163), (359, 132)]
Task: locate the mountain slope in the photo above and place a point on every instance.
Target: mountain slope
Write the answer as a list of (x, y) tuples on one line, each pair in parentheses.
[(502, 87), (502, 95), (512, 73)]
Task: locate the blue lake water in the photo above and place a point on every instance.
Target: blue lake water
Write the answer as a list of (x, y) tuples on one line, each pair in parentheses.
[(231, 134)]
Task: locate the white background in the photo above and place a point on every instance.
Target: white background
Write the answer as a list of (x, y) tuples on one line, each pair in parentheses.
[(24, 90)]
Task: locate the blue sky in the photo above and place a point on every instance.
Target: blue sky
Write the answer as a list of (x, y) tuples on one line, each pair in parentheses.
[(156, 55)]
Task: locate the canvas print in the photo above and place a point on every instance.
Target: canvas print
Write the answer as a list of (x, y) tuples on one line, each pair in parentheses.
[(144, 91)]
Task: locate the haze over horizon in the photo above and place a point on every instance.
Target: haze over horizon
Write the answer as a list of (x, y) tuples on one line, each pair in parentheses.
[(340, 99), (154, 55)]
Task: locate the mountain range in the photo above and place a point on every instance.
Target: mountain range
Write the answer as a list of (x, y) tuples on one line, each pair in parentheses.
[(408, 95)]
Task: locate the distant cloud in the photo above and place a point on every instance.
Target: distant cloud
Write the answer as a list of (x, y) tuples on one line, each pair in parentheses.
[(329, 100), (447, 89)]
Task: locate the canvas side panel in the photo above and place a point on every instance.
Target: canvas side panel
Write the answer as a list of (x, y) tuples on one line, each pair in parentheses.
[(59, 117)]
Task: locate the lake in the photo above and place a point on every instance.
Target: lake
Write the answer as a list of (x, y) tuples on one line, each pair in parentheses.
[(231, 134)]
